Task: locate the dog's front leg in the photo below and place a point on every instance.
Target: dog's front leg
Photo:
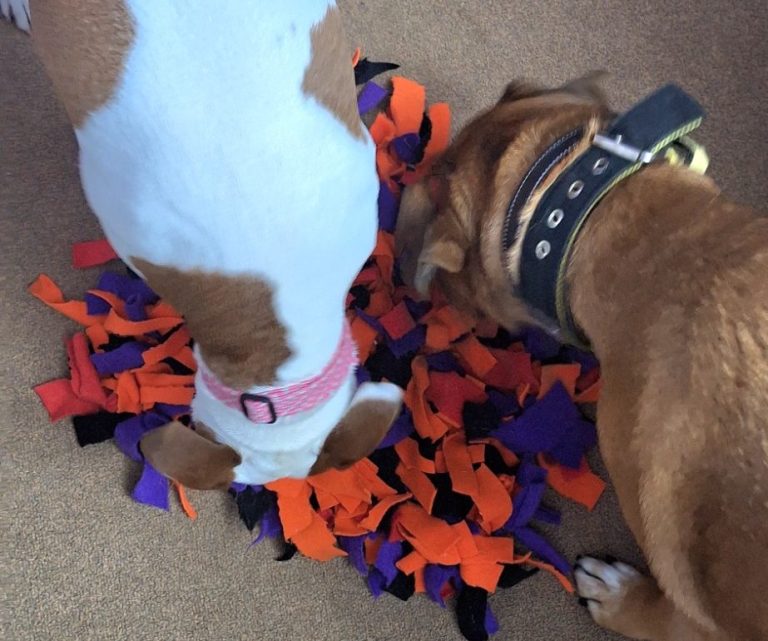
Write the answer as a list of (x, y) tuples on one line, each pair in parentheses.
[(623, 600), (17, 11)]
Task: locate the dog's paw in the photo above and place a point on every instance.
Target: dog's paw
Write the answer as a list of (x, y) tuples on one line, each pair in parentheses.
[(17, 11), (613, 592)]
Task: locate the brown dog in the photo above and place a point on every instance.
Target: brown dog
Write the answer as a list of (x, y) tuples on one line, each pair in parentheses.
[(668, 281)]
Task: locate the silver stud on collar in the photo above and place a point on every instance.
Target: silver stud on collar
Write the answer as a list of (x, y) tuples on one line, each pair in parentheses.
[(542, 249), (555, 218), (577, 186), (601, 164)]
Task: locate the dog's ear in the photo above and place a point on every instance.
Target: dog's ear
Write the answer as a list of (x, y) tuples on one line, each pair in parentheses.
[(519, 89), (417, 209), (374, 408), (589, 86), (190, 457), (443, 249), (424, 241)]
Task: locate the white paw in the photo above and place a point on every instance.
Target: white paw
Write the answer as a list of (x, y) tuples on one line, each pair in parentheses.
[(605, 586), (16, 11)]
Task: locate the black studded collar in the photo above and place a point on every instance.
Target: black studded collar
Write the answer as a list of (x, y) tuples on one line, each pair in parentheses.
[(654, 129)]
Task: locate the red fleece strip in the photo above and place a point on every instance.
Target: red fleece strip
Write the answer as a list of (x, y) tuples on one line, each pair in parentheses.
[(92, 253)]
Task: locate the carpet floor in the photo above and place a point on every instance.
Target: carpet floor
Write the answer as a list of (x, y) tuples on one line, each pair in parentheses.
[(80, 560)]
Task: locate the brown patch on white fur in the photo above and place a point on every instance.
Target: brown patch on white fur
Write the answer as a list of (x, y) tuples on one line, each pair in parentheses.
[(190, 458), (363, 427), (667, 280), (232, 319), (83, 46), (329, 78)]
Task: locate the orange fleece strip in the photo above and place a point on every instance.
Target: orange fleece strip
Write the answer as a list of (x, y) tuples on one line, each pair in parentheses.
[(189, 510), (427, 423), (377, 513), (582, 485), (566, 374), (407, 105), (44, 289), (301, 524), (170, 348), (115, 324), (408, 451), (419, 484)]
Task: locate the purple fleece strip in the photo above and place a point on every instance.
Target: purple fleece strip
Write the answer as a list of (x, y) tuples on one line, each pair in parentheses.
[(388, 208), (587, 361), (542, 427), (579, 438), (373, 322), (526, 503), (96, 306), (540, 345), (376, 583), (444, 362), (127, 356), (126, 287), (362, 375), (389, 553), (370, 97), (435, 577), (171, 411), (529, 473), (128, 433), (270, 526), (135, 308), (407, 147), (400, 429), (353, 546), (541, 548), (418, 308), (491, 624), (409, 343), (152, 488)]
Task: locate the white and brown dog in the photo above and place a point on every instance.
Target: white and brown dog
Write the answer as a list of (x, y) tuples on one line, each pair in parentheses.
[(227, 164)]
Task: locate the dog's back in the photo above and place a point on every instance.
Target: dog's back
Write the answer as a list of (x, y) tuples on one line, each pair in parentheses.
[(220, 140), (222, 150), (694, 483)]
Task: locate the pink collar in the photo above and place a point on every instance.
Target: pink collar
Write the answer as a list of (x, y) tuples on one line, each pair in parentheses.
[(272, 403)]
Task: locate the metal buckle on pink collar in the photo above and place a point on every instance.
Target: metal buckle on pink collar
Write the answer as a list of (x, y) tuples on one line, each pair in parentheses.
[(267, 405), (245, 397)]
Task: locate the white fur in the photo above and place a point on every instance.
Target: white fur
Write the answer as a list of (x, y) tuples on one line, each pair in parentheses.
[(209, 156), (17, 11), (290, 447)]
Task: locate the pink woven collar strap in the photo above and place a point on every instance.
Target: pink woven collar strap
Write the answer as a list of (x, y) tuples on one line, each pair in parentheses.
[(272, 403)]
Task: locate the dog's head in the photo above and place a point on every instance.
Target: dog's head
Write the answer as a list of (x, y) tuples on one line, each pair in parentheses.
[(237, 330), (450, 226)]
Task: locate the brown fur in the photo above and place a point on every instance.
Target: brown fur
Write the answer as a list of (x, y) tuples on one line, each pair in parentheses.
[(232, 318), (82, 44), (329, 77), (190, 457), (357, 435), (669, 282)]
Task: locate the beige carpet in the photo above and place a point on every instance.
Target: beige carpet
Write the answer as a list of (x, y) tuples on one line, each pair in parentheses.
[(80, 560)]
